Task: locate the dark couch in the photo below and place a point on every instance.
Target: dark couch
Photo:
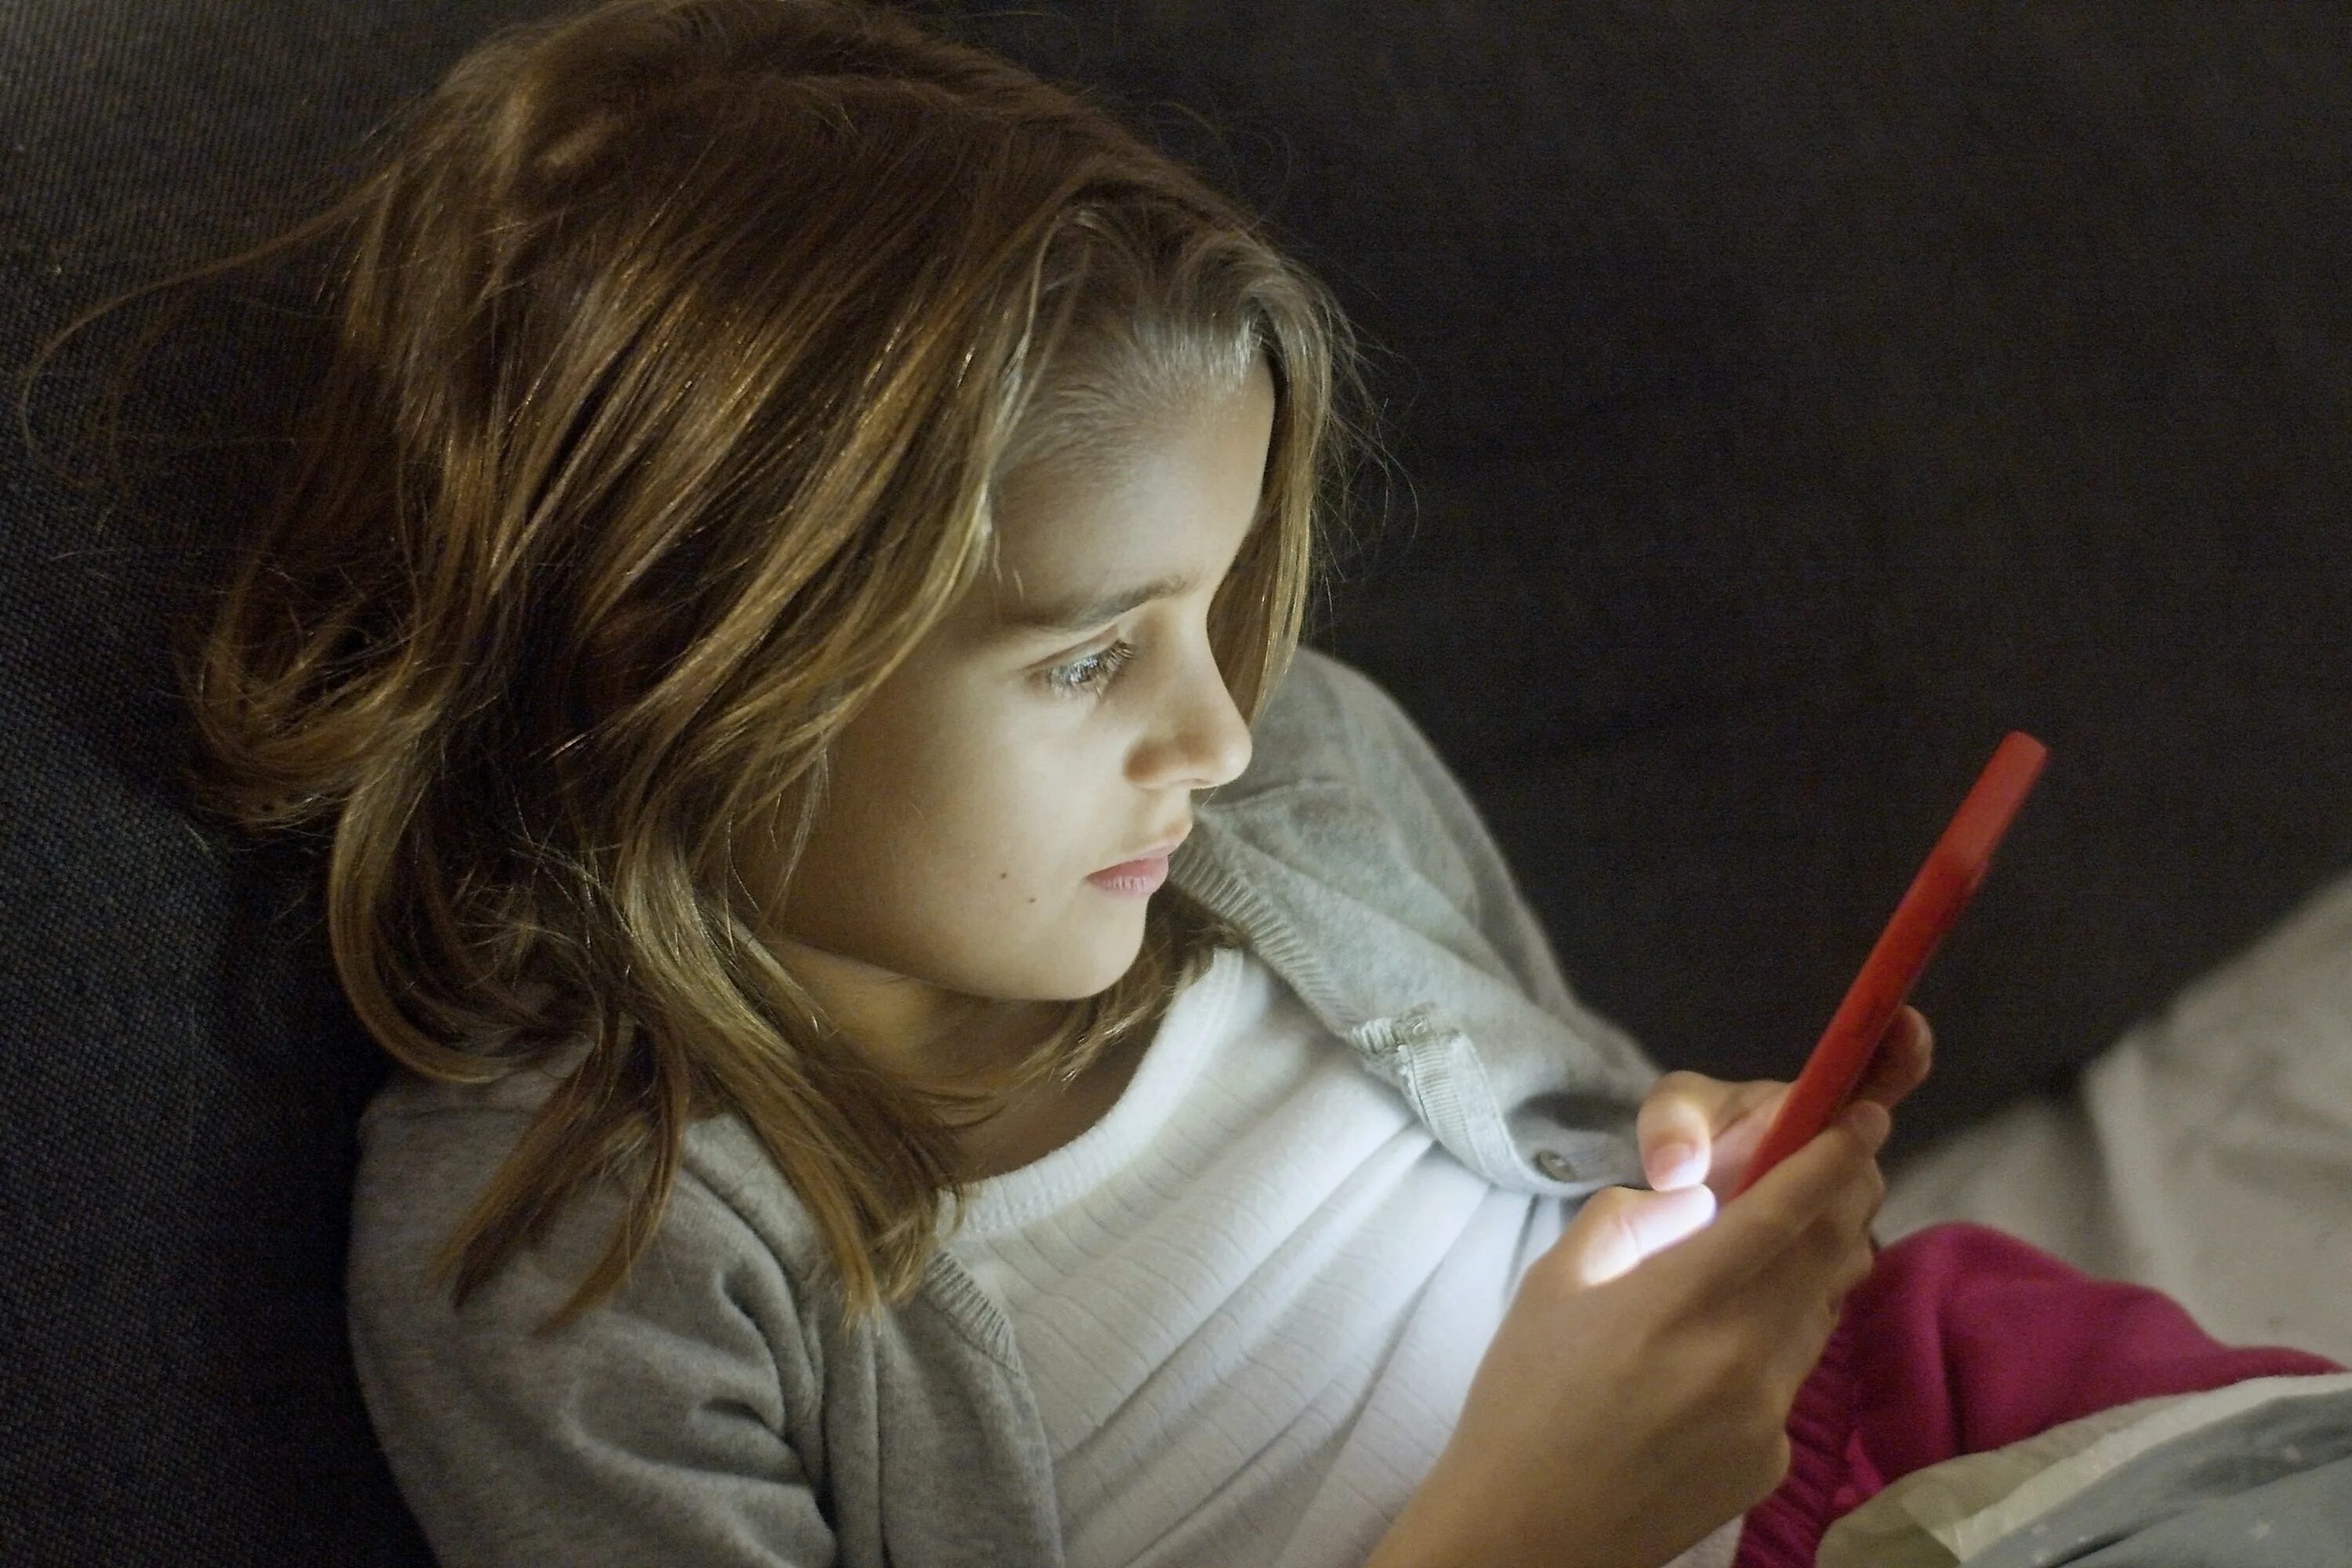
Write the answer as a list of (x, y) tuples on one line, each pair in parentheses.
[(1784, 400)]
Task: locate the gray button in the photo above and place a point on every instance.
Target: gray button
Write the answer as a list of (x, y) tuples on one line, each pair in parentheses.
[(1554, 1164)]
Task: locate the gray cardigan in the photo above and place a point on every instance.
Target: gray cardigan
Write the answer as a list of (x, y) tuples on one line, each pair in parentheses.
[(719, 1411)]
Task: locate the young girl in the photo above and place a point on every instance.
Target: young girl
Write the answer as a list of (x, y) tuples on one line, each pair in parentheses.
[(932, 1031)]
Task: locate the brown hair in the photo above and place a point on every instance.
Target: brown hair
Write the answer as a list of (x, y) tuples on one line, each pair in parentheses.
[(679, 347), (679, 353)]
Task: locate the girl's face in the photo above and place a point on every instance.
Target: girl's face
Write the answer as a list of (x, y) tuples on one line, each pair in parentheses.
[(1057, 722)]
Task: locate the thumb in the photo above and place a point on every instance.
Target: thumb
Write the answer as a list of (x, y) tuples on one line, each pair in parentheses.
[(1676, 1127), (1619, 1227)]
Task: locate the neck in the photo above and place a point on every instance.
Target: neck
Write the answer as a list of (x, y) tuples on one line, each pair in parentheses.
[(924, 1033)]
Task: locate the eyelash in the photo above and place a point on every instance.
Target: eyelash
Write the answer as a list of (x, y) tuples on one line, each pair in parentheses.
[(1092, 673)]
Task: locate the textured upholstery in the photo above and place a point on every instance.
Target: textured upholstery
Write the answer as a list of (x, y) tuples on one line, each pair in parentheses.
[(1785, 400)]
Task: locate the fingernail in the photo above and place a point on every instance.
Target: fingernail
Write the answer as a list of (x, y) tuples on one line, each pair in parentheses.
[(1870, 1121), (1672, 1161)]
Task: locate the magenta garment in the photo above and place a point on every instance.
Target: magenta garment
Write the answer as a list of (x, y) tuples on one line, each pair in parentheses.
[(1961, 1340)]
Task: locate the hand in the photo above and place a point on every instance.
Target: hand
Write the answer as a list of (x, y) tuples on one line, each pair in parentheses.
[(1693, 1128), (1622, 1412)]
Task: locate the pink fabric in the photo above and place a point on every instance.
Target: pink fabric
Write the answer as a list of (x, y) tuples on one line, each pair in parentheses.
[(1963, 1340)]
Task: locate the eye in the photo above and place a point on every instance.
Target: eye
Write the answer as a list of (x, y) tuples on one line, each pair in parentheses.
[(1092, 673)]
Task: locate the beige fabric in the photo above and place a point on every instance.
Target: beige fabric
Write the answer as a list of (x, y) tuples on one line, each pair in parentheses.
[(1914, 1522), (1949, 1513), (2207, 1154)]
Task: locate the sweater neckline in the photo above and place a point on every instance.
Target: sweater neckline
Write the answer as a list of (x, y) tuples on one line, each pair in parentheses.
[(1179, 1043)]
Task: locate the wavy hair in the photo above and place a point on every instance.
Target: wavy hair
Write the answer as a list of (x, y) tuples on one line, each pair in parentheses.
[(678, 349)]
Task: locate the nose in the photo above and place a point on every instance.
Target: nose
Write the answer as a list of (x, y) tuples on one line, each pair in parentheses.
[(1199, 739)]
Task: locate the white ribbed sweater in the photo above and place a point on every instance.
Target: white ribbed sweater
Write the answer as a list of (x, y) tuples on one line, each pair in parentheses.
[(1251, 1299)]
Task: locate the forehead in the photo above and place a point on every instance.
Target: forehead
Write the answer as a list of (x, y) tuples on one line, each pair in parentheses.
[(1173, 507)]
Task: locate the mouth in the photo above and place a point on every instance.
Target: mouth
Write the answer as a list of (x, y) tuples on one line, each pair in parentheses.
[(1142, 873), (1132, 876), (1160, 851)]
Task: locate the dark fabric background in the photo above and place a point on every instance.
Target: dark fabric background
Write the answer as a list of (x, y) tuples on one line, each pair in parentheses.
[(1785, 401)]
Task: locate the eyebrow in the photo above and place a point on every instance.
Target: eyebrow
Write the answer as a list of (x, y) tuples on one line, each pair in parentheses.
[(1078, 614)]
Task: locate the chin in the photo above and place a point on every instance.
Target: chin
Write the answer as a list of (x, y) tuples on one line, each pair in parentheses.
[(1092, 963)]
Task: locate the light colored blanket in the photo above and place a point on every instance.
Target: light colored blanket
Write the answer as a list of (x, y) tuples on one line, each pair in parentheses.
[(2207, 1154)]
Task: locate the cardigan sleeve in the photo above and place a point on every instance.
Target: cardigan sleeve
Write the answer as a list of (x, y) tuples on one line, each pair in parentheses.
[(651, 1430), (1396, 761)]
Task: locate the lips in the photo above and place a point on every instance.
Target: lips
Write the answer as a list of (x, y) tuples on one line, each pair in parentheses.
[(1141, 874), (1137, 861), (1133, 877)]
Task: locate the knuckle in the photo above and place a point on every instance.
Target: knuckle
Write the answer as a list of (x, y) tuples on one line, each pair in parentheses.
[(1860, 1199), (1609, 1203), (1680, 1084), (1711, 1368), (1607, 1211), (1857, 1269), (1559, 1272), (1830, 1233), (1728, 1372)]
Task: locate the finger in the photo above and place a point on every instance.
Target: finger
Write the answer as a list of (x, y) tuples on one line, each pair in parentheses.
[(1751, 1111), (1902, 1061), (1675, 1129), (1860, 1258), (1776, 1215), (1620, 1226), (1795, 1302), (1833, 1251), (1808, 1302)]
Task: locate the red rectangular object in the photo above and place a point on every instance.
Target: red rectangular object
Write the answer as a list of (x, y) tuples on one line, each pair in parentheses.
[(1937, 894)]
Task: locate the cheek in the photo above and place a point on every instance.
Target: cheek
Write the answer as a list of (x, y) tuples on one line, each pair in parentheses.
[(958, 855), (935, 801), (1011, 824)]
